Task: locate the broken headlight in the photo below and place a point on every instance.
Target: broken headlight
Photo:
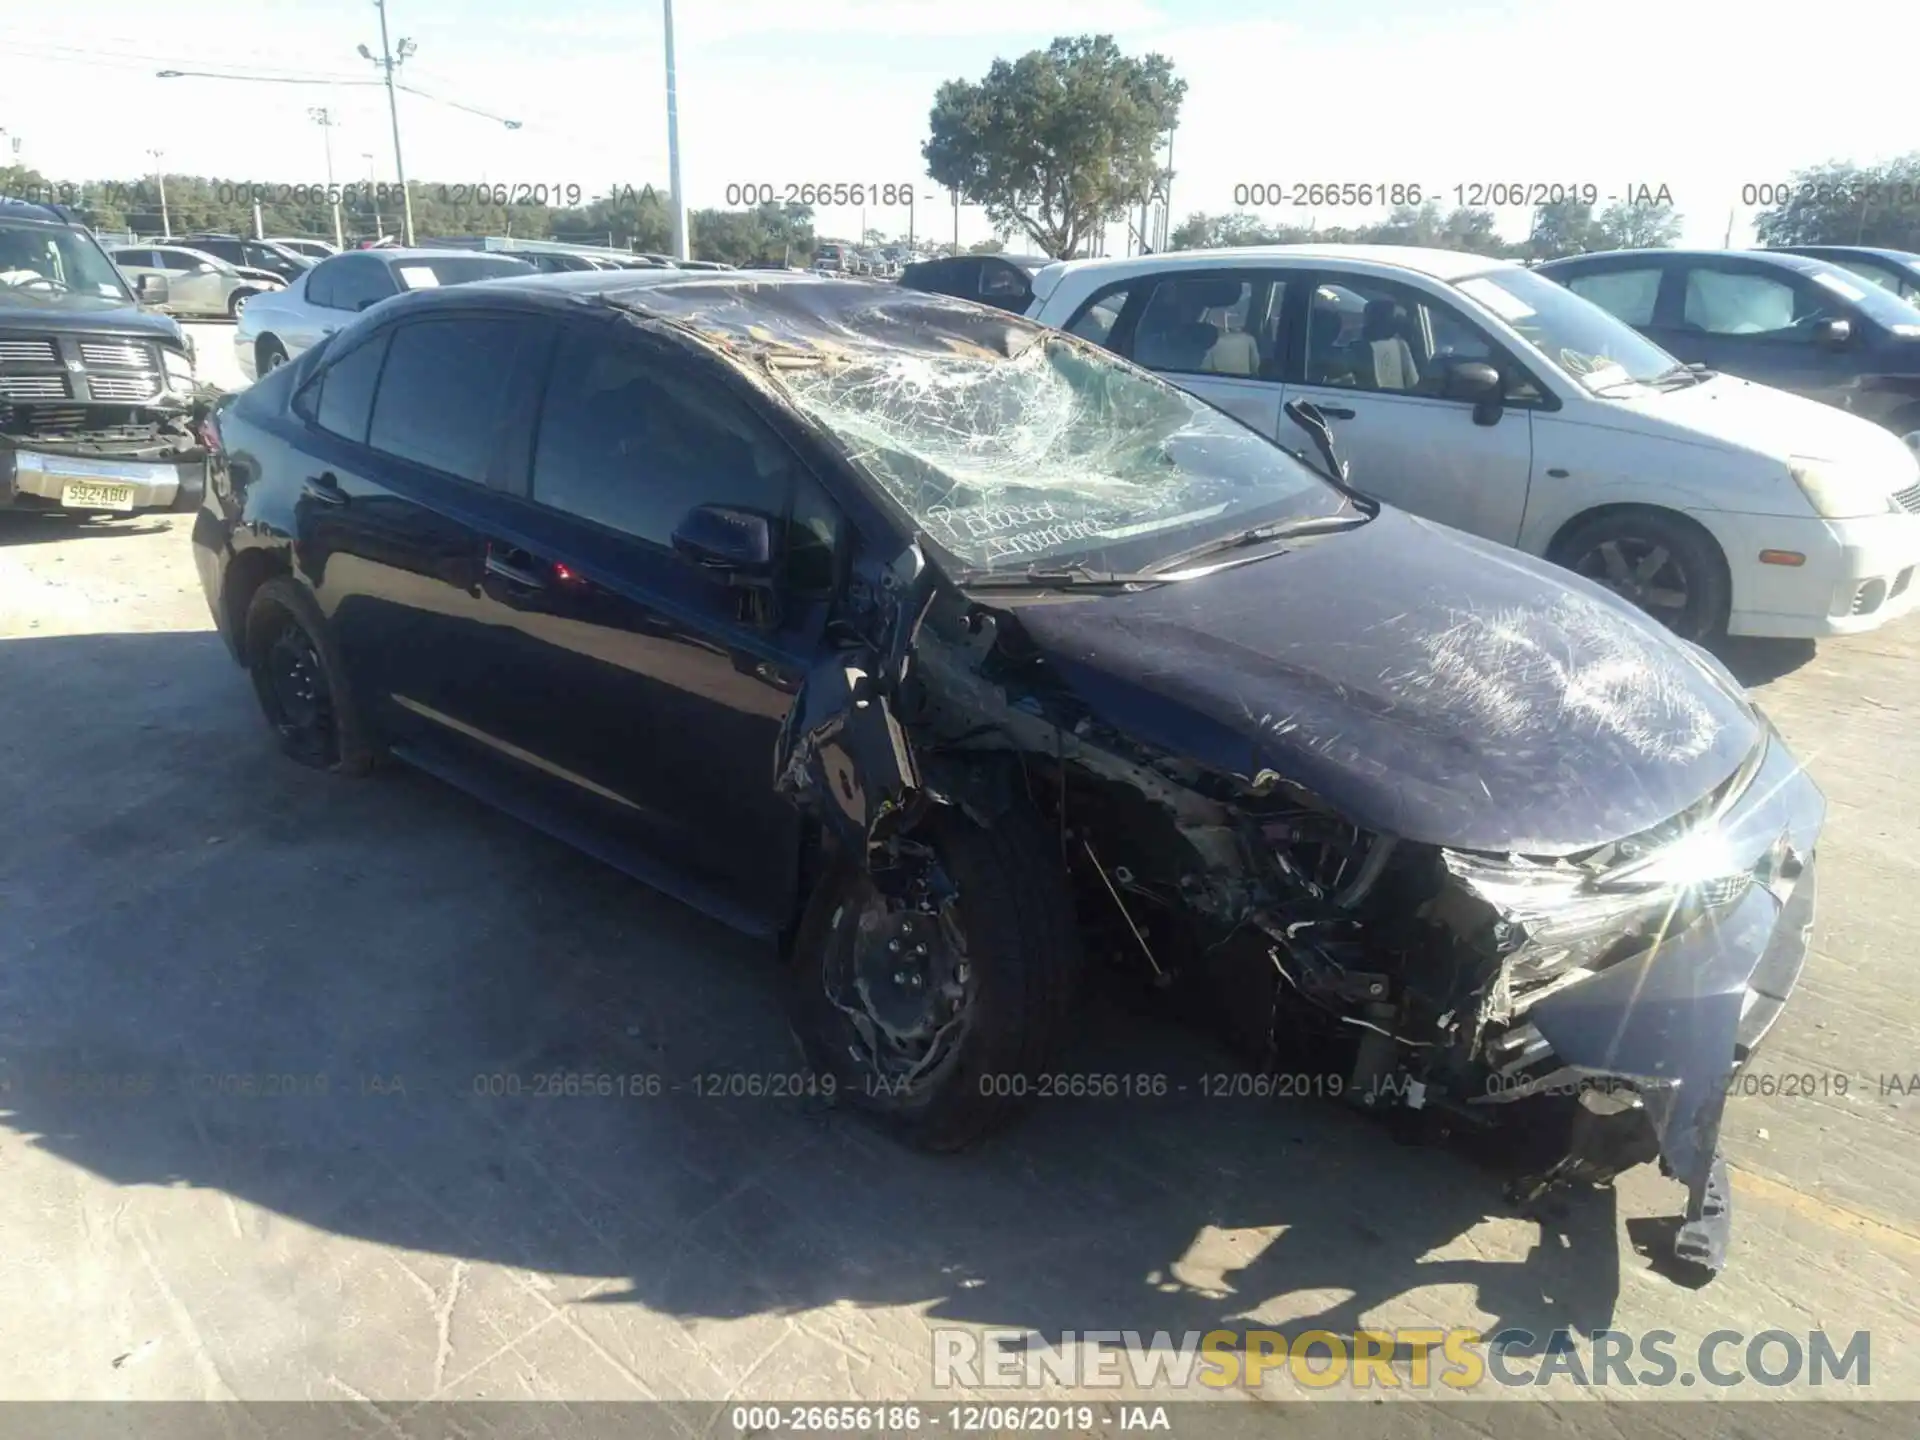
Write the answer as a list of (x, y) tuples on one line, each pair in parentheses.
[(179, 371)]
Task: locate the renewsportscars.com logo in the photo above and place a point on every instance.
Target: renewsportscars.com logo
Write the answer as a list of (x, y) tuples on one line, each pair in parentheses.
[(1395, 1359)]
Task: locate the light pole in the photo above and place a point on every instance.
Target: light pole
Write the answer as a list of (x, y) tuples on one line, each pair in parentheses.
[(679, 198), (323, 117), (166, 222), (387, 61)]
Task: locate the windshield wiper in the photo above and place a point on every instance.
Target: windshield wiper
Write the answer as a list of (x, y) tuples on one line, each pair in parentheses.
[(1062, 577), (1260, 535), (1692, 374)]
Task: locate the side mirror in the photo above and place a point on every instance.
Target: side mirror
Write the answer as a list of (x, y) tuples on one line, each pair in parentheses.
[(1833, 334), (1480, 385), (154, 290), (733, 545)]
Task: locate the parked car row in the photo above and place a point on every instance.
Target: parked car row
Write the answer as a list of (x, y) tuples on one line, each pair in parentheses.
[(1486, 395), (927, 640), (198, 283)]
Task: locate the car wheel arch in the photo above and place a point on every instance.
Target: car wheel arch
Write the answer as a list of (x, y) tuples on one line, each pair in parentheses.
[(1557, 549), (246, 573), (262, 343)]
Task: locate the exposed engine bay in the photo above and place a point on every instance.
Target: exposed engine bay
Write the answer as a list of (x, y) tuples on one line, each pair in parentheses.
[(1601, 998)]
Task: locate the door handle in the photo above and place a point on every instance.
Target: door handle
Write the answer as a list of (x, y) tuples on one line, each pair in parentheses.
[(514, 574), (324, 487), (1336, 412)]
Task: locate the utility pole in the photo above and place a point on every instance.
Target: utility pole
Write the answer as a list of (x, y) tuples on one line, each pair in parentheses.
[(956, 219), (166, 222), (390, 58), (323, 117), (1727, 244), (681, 240), (373, 187)]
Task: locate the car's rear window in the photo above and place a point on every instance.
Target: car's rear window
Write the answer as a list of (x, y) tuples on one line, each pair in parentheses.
[(423, 272)]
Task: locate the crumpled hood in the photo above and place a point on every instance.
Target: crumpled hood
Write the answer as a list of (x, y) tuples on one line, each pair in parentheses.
[(1424, 682), (1775, 423)]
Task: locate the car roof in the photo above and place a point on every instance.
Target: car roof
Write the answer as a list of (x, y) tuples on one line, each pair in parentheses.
[(763, 313), (1805, 264), (396, 254), (1820, 251), (1439, 264), (37, 213)]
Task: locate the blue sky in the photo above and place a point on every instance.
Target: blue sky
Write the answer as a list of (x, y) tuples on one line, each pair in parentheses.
[(1702, 96)]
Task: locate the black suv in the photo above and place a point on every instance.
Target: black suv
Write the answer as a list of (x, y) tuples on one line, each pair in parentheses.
[(259, 254), (98, 406), (1790, 321)]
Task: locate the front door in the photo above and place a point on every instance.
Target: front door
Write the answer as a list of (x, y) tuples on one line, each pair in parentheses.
[(1761, 323), (1375, 361)]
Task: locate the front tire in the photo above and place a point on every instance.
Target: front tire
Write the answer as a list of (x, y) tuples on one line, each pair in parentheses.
[(301, 683), (938, 1016), (269, 355), (1661, 562), (237, 302)]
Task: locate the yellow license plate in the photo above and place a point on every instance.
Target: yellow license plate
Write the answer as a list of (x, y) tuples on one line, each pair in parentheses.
[(89, 495)]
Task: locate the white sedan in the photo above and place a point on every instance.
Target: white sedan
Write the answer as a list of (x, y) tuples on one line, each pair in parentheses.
[(1479, 394), (275, 328)]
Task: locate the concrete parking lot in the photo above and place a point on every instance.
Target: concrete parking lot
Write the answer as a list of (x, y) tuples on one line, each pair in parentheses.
[(250, 1017)]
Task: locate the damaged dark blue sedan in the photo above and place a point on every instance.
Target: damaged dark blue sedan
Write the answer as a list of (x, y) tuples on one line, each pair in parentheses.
[(969, 662)]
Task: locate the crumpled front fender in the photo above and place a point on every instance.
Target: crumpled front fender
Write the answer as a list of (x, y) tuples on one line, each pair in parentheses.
[(1680, 1019), (842, 754)]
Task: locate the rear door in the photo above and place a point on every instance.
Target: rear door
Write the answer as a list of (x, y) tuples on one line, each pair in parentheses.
[(1216, 333), (1374, 358), (1643, 292), (415, 436)]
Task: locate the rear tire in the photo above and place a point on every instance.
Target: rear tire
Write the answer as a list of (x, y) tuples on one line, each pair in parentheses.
[(1663, 563), (300, 681), (237, 302), (269, 355), (1001, 996)]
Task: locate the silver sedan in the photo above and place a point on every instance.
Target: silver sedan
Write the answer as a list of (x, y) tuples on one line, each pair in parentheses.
[(274, 328), (197, 283)]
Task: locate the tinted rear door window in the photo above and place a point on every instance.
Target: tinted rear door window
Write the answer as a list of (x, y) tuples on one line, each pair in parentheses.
[(345, 402), (446, 394)]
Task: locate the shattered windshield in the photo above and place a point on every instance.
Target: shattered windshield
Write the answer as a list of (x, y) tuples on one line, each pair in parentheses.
[(1055, 453), (42, 265)]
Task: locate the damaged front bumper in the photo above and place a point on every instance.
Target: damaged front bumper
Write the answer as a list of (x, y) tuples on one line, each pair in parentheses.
[(125, 469), (1651, 1041)]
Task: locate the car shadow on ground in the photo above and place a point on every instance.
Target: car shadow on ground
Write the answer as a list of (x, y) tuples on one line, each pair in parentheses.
[(1755, 662), (35, 527), (316, 996)]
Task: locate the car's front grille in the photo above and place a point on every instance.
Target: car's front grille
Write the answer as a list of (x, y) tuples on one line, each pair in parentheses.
[(33, 387), (115, 354), (104, 369), (1908, 499), (126, 389)]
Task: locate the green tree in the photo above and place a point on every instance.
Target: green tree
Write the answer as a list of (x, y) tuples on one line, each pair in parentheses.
[(1839, 203), (1623, 226), (986, 247), (1563, 227), (1058, 142)]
